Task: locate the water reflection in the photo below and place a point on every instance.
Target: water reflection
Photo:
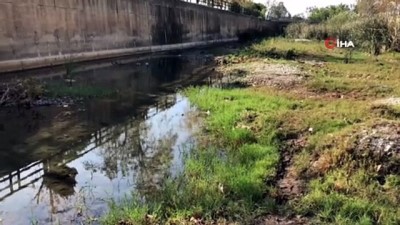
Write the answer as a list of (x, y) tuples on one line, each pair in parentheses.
[(66, 166)]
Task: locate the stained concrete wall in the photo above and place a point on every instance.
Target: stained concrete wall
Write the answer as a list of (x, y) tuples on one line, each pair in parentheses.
[(36, 33)]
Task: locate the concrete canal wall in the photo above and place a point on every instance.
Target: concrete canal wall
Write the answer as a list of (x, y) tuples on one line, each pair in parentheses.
[(38, 33)]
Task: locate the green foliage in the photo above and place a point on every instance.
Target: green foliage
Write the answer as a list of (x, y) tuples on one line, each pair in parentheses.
[(357, 199), (235, 7), (342, 26), (32, 87), (346, 193), (280, 48), (318, 15), (372, 26), (248, 8), (277, 11), (229, 179), (369, 33), (372, 33), (229, 175), (255, 9)]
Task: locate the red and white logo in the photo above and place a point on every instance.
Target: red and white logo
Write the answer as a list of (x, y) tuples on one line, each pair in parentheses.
[(332, 43)]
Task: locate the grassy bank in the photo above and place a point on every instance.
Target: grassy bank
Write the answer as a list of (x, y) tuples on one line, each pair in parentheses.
[(326, 131), (227, 177)]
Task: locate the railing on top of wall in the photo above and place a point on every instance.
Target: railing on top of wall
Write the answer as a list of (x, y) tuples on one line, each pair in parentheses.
[(223, 5)]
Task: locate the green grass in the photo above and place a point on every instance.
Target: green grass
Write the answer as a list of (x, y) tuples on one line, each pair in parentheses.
[(227, 179), (239, 150), (338, 194), (356, 199), (364, 75), (289, 49)]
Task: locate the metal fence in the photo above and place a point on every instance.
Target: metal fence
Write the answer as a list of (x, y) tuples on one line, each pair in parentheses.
[(223, 5), (220, 4)]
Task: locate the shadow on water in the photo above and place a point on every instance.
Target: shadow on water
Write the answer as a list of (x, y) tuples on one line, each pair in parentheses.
[(60, 164)]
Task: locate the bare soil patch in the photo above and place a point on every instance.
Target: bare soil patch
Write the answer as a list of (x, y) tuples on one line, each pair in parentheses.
[(289, 184), (381, 145), (281, 76), (280, 220), (388, 101)]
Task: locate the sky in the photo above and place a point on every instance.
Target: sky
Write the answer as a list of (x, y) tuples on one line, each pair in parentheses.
[(300, 6)]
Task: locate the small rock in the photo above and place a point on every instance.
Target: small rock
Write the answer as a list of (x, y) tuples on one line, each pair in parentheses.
[(387, 147), (221, 188), (79, 213)]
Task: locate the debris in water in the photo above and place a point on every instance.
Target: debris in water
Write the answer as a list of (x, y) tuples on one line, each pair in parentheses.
[(21, 93), (70, 80)]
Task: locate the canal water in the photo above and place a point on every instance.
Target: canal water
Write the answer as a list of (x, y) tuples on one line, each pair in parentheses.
[(63, 164)]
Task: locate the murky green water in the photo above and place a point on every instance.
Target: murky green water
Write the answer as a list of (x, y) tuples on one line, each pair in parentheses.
[(62, 164)]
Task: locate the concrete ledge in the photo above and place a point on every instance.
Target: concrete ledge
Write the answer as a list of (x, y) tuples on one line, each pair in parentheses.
[(33, 63)]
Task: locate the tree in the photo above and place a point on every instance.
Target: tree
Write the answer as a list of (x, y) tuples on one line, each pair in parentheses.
[(318, 15), (277, 11), (254, 9), (248, 7), (373, 33), (389, 11)]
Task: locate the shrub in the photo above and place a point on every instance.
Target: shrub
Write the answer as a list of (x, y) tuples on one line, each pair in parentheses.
[(318, 15), (371, 33), (295, 30), (341, 25), (308, 31)]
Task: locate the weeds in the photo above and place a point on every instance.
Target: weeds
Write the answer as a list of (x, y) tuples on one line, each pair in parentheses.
[(232, 174), (227, 179)]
